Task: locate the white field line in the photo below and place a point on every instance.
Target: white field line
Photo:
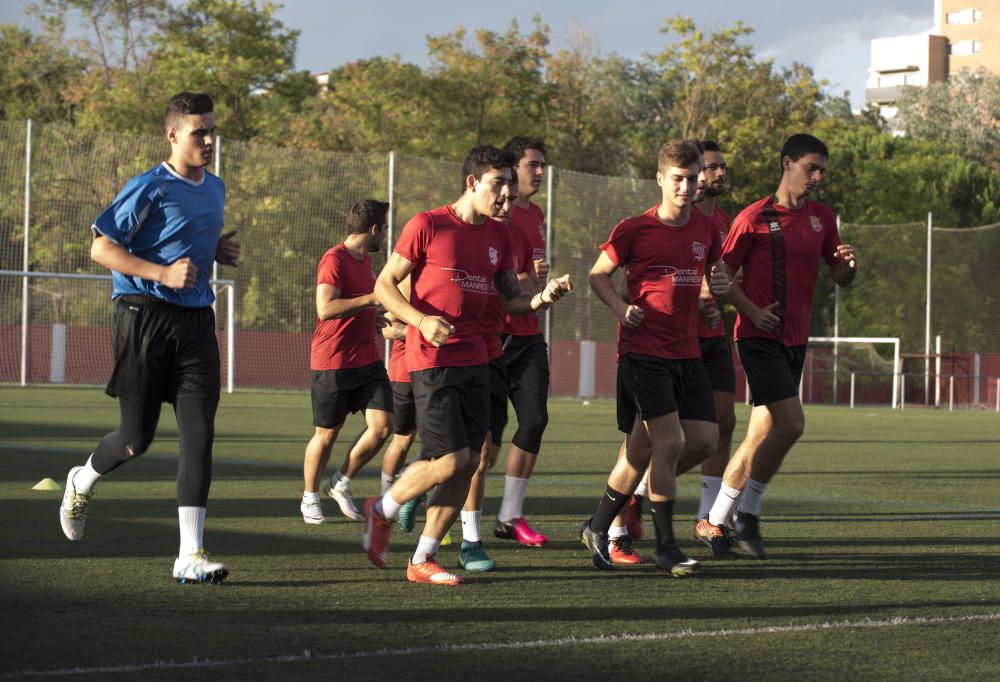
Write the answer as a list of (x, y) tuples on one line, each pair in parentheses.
[(307, 655)]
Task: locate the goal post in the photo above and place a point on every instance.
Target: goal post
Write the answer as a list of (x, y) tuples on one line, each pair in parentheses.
[(55, 328), (843, 360)]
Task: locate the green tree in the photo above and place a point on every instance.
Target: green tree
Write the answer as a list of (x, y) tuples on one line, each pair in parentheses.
[(37, 72)]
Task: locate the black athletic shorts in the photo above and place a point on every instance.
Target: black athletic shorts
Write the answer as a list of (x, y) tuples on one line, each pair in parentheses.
[(335, 392), (163, 351), (404, 410), (650, 387), (527, 359), (773, 369), (717, 356), (453, 408), (498, 399)]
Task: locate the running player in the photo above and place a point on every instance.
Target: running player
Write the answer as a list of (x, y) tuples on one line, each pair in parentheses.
[(457, 257), (778, 243), (159, 238), (525, 351), (661, 379), (347, 372)]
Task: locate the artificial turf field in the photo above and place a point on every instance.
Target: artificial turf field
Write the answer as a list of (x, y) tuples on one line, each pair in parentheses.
[(883, 528)]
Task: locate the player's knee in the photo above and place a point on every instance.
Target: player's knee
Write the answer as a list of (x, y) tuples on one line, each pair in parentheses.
[(727, 424), (531, 425), (790, 430)]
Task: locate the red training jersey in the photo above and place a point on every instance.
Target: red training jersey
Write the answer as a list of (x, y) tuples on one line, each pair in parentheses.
[(664, 267), (527, 226), (810, 233), (398, 370), (720, 219), (345, 342), (454, 266)]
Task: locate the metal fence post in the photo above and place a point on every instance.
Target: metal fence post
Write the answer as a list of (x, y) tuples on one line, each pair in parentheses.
[(26, 259), (927, 321), (548, 253), (390, 238)]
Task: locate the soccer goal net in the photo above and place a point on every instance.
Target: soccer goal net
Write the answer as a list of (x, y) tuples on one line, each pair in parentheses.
[(852, 370), (55, 328)]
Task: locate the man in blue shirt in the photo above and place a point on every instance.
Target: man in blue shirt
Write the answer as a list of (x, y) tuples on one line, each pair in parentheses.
[(159, 238)]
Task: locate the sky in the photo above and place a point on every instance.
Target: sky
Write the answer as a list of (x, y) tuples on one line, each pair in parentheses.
[(831, 37)]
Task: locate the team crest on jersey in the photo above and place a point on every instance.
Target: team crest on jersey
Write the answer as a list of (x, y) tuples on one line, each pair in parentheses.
[(816, 223), (698, 251), (494, 256), (774, 226)]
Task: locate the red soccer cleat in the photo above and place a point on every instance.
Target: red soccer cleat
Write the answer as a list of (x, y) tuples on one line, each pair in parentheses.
[(375, 539), (432, 573), (634, 519), (622, 554)]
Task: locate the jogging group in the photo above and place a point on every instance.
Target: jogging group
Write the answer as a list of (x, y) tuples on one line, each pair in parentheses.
[(458, 298)]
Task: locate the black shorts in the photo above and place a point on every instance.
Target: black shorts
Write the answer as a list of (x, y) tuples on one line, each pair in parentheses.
[(527, 359), (717, 356), (163, 351), (773, 369), (498, 399), (650, 387), (453, 408), (404, 410), (335, 392)]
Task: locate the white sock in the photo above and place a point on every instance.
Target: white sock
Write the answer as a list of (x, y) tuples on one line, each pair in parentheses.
[(426, 549), (470, 525), (752, 497), (617, 531), (386, 481), (710, 486), (724, 505), (512, 505), (310, 497), (387, 505), (86, 477), (641, 490), (341, 482), (192, 524)]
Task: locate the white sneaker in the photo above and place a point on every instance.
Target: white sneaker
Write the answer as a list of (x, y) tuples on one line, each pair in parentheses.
[(73, 510), (196, 568), (344, 500), (312, 512)]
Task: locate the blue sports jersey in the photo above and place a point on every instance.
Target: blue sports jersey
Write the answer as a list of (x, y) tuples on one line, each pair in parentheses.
[(161, 217)]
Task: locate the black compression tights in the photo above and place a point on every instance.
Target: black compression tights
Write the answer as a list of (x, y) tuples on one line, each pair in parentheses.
[(196, 428)]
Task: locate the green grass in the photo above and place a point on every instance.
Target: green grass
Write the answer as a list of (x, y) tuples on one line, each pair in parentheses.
[(883, 528)]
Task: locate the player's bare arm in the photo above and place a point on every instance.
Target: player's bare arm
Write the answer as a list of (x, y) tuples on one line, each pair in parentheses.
[(845, 269), (765, 319), (395, 328), (390, 294), (180, 274), (518, 302), (600, 281), (330, 306), (228, 250)]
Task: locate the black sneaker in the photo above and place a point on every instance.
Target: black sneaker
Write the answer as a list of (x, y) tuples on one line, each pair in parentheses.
[(747, 533), (597, 543), (715, 538), (672, 559)]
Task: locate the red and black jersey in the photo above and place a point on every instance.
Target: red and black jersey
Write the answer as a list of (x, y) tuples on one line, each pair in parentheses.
[(720, 219), (785, 274), (527, 227)]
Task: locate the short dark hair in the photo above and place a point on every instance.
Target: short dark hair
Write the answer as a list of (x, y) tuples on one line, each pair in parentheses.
[(185, 103), (799, 145), (697, 143), (678, 153), (484, 158), (520, 143), (365, 213), (711, 146)]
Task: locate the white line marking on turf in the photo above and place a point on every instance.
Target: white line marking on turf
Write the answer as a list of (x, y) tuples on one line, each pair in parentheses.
[(308, 655)]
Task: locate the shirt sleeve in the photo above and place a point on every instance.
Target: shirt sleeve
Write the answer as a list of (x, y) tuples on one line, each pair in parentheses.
[(831, 237), (416, 235), (736, 248), (330, 271), (618, 246), (120, 221)]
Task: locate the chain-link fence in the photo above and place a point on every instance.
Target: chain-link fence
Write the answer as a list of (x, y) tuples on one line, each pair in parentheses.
[(289, 206)]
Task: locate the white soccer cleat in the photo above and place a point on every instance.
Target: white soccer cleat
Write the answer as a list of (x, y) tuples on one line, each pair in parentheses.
[(344, 501), (73, 510), (312, 513), (196, 568)]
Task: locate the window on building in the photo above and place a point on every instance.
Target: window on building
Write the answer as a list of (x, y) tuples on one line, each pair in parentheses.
[(965, 47), (964, 16)]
